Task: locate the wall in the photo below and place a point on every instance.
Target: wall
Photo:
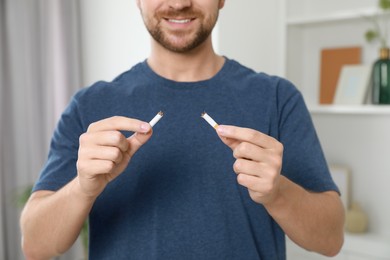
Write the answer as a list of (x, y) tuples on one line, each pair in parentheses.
[(356, 140), (250, 33), (113, 38), (361, 143)]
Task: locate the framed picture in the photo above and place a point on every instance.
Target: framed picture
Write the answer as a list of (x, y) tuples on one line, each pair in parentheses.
[(341, 176), (332, 61), (352, 86)]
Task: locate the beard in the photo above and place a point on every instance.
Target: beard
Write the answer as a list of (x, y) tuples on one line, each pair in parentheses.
[(180, 41)]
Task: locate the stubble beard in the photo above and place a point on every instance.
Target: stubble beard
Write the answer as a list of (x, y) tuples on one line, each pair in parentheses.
[(180, 42)]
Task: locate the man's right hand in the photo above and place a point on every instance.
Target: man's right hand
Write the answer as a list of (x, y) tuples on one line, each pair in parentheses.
[(105, 152), (51, 220)]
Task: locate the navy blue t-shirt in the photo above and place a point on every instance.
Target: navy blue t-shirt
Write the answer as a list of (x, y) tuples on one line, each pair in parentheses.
[(179, 197)]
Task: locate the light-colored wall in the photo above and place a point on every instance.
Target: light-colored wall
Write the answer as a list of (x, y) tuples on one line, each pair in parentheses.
[(361, 143), (358, 141), (250, 33), (113, 38)]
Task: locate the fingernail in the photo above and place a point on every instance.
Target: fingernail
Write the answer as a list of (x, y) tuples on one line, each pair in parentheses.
[(221, 130), (145, 127)]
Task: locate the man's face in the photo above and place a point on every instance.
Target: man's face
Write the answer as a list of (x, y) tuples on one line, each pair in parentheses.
[(180, 25)]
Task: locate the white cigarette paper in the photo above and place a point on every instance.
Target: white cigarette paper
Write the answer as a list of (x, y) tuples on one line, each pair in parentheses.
[(156, 118), (209, 120)]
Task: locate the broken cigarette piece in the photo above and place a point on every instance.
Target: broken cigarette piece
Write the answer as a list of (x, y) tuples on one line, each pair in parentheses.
[(156, 118), (209, 120)]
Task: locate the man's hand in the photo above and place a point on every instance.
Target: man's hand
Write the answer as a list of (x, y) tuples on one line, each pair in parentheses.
[(105, 152), (258, 161)]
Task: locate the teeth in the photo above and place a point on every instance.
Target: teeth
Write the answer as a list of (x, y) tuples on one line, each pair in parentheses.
[(179, 21)]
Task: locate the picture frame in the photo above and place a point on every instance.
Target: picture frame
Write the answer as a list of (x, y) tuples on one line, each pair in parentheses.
[(332, 61), (353, 84)]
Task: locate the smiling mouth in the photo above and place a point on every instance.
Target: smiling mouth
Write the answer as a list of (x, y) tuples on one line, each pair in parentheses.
[(179, 21)]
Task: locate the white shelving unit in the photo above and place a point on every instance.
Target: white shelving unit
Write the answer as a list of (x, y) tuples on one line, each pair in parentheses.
[(356, 247), (307, 32), (357, 137), (350, 110), (337, 16)]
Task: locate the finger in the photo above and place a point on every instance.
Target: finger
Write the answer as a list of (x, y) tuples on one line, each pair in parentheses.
[(250, 182), (232, 143), (260, 191), (105, 138), (110, 153), (242, 166), (246, 135), (119, 123), (95, 167), (248, 151), (137, 140)]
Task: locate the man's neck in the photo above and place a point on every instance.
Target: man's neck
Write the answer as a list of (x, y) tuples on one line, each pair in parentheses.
[(200, 64)]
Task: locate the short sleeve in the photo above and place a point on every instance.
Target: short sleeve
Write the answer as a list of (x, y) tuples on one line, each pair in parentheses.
[(60, 167), (303, 160)]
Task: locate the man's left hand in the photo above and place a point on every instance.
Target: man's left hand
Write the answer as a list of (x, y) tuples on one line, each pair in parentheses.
[(258, 161)]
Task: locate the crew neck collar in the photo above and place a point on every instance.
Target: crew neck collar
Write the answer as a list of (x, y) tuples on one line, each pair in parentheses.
[(152, 75)]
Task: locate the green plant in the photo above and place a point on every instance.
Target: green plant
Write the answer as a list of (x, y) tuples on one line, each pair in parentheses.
[(379, 32), (23, 196), (22, 199)]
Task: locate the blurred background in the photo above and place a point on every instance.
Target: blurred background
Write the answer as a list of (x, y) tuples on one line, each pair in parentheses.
[(51, 48)]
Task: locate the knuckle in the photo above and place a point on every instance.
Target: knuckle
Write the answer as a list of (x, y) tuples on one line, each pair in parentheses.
[(236, 153), (116, 137), (116, 154), (258, 197), (241, 179), (108, 166), (241, 149), (237, 166), (277, 162), (268, 187), (113, 121), (80, 166), (115, 118), (83, 138), (91, 126), (81, 154)]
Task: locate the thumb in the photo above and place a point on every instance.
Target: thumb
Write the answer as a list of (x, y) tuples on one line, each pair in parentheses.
[(137, 140), (230, 142)]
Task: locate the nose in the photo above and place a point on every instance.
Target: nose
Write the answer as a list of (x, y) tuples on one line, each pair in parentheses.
[(179, 4)]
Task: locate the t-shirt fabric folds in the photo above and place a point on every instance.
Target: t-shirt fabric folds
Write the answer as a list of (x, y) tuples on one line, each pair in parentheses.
[(179, 197)]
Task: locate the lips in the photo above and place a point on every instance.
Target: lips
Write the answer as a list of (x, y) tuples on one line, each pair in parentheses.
[(179, 21), (179, 18)]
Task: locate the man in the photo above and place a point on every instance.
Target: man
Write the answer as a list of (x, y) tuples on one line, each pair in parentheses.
[(184, 190)]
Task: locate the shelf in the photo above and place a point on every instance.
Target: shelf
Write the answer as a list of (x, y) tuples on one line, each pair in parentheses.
[(367, 244), (351, 110), (352, 135), (333, 17), (362, 245)]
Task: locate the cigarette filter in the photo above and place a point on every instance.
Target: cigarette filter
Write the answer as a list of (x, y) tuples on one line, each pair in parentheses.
[(209, 120), (156, 118)]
